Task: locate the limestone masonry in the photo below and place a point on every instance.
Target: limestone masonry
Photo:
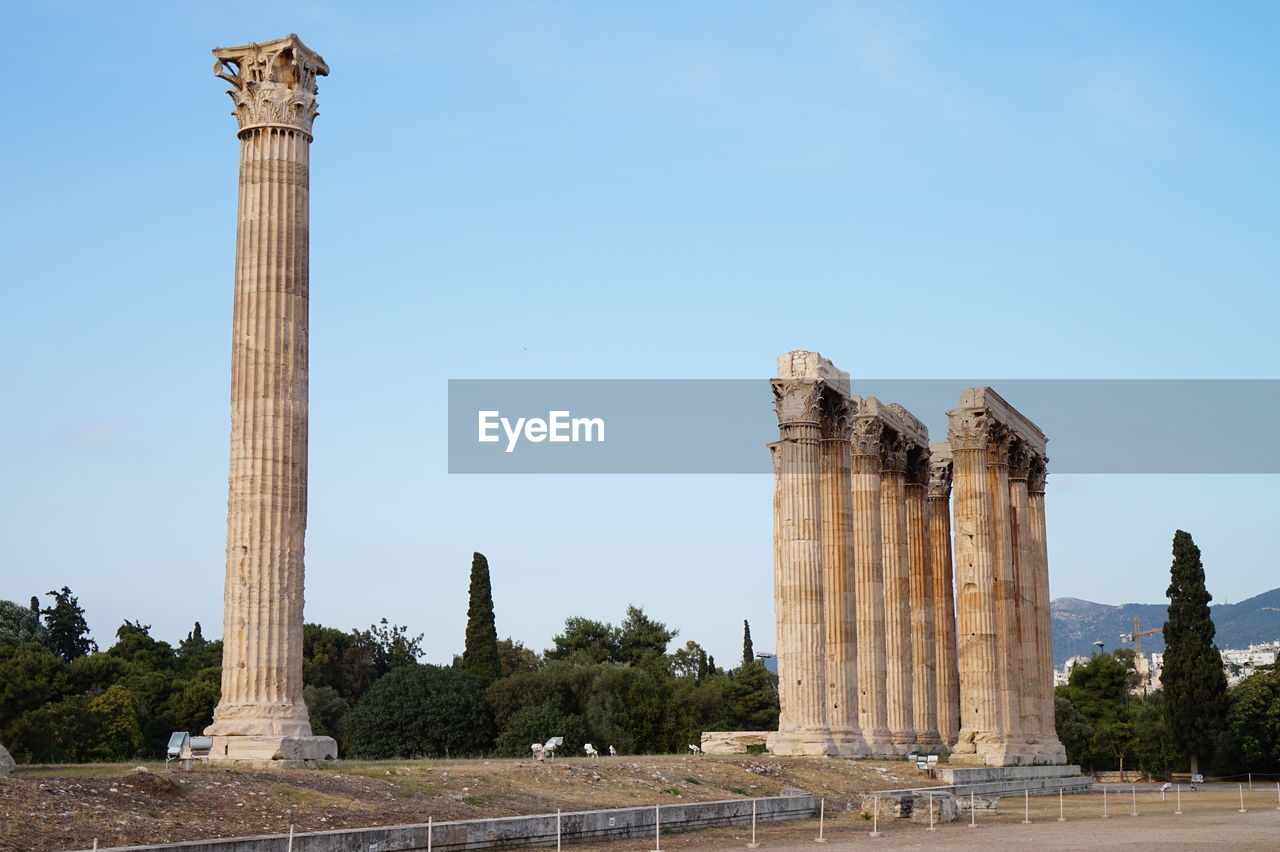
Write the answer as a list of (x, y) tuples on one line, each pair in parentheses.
[(881, 650), (262, 717)]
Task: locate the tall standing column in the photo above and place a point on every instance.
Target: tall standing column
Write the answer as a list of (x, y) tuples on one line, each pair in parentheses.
[(923, 686), (1049, 749), (837, 574), (1010, 669), (977, 642), (897, 591), (801, 622), (1027, 650), (868, 569), (262, 715), (944, 602)]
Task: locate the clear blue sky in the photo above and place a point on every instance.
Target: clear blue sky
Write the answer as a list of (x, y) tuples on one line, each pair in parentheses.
[(657, 190)]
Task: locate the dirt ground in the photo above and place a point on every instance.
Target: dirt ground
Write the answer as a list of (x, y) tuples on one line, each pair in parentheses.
[(1210, 819), (53, 808)]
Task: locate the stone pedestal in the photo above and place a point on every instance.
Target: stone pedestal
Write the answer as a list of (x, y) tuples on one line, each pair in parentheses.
[(262, 715)]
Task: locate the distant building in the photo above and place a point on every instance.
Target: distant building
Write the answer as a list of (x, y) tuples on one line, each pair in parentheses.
[(1238, 664)]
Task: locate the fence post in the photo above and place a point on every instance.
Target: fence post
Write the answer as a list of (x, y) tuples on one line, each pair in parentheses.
[(657, 825), (557, 830), (1061, 816), (1179, 789), (1105, 815), (1026, 806), (1133, 809), (973, 810), (1242, 810), (875, 816), (932, 827), (822, 818), (289, 847), (430, 831), (753, 844)]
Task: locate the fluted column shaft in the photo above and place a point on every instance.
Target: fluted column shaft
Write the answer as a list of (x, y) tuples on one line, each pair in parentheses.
[(1027, 649), (267, 482), (868, 567), (923, 686), (1051, 748), (976, 625), (897, 594), (1007, 632), (944, 604), (837, 576), (801, 620)]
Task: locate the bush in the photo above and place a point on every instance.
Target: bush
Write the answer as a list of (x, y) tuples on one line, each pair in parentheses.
[(421, 711), (539, 724)]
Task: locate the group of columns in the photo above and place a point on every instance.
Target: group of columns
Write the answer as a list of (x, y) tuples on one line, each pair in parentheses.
[(868, 659)]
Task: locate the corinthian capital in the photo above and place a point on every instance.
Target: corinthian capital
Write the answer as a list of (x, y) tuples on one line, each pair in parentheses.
[(1037, 473), (836, 418), (893, 454), (1020, 454), (967, 428), (940, 473), (797, 401), (867, 432), (273, 82)]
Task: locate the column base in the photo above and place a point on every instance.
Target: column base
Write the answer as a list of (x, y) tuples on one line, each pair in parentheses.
[(1013, 754), (850, 743), (802, 744), (929, 738), (272, 752)]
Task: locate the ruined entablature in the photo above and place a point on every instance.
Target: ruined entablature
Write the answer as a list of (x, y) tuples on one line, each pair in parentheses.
[(941, 469), (803, 364)]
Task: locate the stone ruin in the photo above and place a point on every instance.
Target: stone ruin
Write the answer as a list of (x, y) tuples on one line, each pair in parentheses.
[(879, 652)]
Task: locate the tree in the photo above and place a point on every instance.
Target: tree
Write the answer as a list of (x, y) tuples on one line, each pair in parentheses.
[(1254, 719), (1194, 685), (515, 657), (690, 661), (586, 640), (19, 625), (748, 650), (641, 638), (392, 645), (480, 655), (421, 711), (338, 659), (68, 631), (1098, 693)]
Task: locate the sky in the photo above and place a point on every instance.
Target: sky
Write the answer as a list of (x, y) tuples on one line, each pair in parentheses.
[(535, 190)]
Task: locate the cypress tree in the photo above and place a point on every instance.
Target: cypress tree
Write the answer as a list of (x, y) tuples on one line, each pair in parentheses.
[(1195, 687), (748, 651), (480, 656)]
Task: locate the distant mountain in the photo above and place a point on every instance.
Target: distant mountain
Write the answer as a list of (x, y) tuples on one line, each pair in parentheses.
[(1078, 624)]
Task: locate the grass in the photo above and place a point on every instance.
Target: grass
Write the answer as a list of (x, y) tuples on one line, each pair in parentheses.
[(692, 780)]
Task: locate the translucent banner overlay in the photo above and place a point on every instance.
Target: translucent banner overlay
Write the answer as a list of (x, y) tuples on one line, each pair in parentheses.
[(722, 426)]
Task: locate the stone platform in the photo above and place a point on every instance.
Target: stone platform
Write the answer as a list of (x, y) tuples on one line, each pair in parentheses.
[(1002, 780)]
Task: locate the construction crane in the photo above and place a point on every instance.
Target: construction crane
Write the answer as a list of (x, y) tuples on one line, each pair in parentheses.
[(1136, 636)]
